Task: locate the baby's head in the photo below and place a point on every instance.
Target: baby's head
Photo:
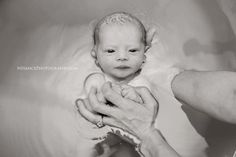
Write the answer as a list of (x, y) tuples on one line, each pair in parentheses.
[(119, 18), (120, 45)]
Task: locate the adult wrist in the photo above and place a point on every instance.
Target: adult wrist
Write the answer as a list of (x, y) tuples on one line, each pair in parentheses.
[(151, 141), (152, 135), (153, 144)]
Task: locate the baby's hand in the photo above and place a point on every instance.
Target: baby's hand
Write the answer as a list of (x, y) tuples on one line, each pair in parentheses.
[(130, 93), (127, 92), (116, 87)]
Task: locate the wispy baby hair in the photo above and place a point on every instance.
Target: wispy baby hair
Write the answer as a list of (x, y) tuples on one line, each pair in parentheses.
[(118, 18)]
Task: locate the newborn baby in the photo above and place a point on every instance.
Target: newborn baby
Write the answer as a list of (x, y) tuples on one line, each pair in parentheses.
[(120, 44)]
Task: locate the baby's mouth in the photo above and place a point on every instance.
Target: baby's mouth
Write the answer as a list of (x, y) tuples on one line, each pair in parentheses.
[(122, 67)]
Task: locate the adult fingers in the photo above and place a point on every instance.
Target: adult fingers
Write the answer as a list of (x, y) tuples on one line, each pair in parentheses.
[(112, 96), (79, 100), (99, 106), (112, 122), (92, 117)]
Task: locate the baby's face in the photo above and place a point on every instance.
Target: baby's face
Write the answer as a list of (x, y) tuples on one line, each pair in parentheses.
[(120, 50)]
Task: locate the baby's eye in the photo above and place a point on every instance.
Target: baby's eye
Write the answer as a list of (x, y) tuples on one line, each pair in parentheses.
[(110, 51), (133, 50)]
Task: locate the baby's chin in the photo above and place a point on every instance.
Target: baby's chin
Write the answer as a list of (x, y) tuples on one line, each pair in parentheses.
[(122, 78)]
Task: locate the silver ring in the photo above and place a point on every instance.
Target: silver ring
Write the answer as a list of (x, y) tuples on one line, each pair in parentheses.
[(100, 123)]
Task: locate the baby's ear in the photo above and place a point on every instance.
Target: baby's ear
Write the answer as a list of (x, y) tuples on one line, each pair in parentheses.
[(93, 53), (150, 36)]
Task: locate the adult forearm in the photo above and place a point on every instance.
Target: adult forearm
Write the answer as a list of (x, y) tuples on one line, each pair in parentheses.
[(212, 92), (154, 145)]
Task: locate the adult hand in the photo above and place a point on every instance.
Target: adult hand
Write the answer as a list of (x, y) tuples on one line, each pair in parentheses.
[(136, 118)]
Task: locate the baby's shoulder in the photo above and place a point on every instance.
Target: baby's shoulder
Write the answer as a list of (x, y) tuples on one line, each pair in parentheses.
[(96, 76), (95, 80)]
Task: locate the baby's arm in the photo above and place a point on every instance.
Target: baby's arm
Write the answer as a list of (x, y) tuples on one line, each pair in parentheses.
[(95, 80)]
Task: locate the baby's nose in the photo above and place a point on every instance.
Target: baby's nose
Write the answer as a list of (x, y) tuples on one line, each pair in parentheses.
[(122, 55)]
